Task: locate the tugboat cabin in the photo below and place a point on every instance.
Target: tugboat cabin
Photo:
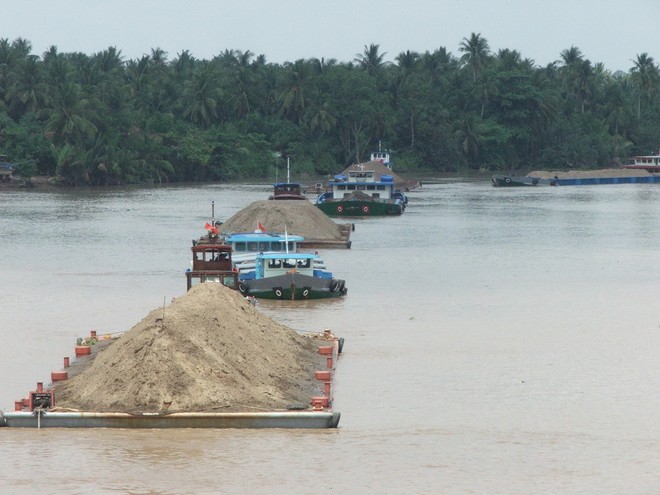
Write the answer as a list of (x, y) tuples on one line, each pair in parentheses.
[(273, 264), (259, 242), (364, 181), (381, 156), (212, 263), (287, 190), (651, 163)]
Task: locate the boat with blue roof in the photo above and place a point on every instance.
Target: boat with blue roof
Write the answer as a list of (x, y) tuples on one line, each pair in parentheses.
[(361, 193), (289, 276)]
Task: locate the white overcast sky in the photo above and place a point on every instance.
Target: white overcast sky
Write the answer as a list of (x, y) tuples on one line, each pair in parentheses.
[(613, 32)]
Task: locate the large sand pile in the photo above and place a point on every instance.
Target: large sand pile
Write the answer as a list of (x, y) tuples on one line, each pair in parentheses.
[(296, 216), (212, 351)]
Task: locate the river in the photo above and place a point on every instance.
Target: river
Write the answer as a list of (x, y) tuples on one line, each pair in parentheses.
[(497, 341)]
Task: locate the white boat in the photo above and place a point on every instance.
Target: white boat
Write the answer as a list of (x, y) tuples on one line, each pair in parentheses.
[(651, 163)]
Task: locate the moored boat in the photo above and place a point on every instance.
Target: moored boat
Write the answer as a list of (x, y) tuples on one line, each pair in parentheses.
[(6, 169), (360, 193), (289, 276), (520, 181), (584, 179), (650, 163), (287, 190)]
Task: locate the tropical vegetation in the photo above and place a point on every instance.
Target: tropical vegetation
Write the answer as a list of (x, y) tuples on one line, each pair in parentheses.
[(102, 120)]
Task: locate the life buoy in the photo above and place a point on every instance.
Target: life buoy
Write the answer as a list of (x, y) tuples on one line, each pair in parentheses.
[(305, 292), (278, 292), (507, 180), (334, 286), (340, 208), (242, 288), (365, 209)]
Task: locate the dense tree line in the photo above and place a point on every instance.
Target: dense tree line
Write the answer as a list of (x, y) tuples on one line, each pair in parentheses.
[(100, 119)]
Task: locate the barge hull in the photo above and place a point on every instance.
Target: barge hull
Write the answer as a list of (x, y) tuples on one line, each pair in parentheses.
[(253, 420)]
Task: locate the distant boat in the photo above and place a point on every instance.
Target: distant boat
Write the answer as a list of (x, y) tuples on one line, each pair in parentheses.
[(6, 169), (650, 163), (362, 194), (526, 181), (287, 190)]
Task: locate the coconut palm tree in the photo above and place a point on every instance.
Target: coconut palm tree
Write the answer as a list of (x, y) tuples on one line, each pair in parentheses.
[(645, 76), (200, 96), (370, 60), (476, 52)]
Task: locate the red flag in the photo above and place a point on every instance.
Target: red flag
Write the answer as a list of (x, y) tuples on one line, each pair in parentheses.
[(262, 228), (211, 228)]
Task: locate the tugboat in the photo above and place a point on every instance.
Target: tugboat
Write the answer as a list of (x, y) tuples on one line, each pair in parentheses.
[(361, 194), (211, 260), (290, 276), (288, 189)]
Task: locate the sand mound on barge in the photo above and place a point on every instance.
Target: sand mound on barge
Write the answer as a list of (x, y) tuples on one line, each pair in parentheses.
[(299, 217), (213, 351), (589, 174)]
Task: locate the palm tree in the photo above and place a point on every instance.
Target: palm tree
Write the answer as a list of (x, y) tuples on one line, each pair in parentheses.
[(476, 52), (200, 95), (644, 75), (294, 94), (68, 121), (27, 93), (370, 60)]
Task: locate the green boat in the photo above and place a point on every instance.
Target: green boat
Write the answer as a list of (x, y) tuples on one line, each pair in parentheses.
[(360, 193)]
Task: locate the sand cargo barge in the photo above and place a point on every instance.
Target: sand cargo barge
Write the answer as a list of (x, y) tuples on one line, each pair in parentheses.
[(208, 360)]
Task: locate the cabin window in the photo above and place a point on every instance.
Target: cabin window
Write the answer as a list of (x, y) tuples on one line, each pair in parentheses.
[(380, 188), (375, 195), (289, 263), (239, 246), (290, 247), (351, 187), (360, 187), (371, 188), (304, 263), (253, 246), (274, 263), (341, 187), (263, 246)]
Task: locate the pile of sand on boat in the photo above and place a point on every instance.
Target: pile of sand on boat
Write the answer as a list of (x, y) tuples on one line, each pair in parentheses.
[(589, 174), (297, 217), (210, 350)]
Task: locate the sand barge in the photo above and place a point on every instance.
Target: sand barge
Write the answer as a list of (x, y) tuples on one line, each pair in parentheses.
[(296, 217), (209, 359)]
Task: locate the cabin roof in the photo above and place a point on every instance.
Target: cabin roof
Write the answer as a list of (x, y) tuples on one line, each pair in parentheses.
[(282, 184), (217, 247), (279, 256), (261, 236)]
